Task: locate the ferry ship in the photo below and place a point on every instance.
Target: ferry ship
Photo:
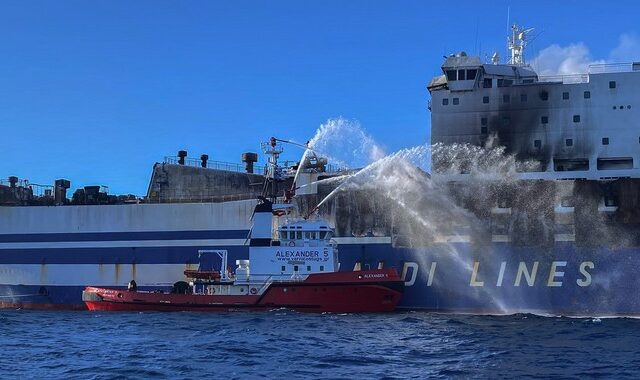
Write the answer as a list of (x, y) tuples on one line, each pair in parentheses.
[(561, 236)]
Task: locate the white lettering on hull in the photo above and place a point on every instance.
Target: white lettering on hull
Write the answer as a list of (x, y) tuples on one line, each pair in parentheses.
[(526, 271)]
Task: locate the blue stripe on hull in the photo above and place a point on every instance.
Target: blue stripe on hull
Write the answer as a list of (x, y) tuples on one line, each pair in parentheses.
[(119, 236), (119, 255)]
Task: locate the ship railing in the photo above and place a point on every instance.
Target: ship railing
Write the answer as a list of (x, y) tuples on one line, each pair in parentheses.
[(240, 168), (211, 164), (565, 79), (602, 68)]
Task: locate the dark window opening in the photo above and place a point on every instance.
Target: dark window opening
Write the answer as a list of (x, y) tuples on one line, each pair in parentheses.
[(565, 95), (321, 268), (471, 74), (506, 98), (605, 141), (460, 74), (283, 268), (612, 84), (506, 121), (487, 83), (485, 100), (615, 163), (505, 82), (295, 268), (587, 94), (456, 101), (308, 268), (483, 130), (610, 200), (629, 107), (451, 75), (544, 119), (445, 102), (483, 121), (523, 97), (566, 202), (614, 107), (537, 143), (568, 142), (576, 118), (568, 165), (621, 107), (544, 95), (527, 81)]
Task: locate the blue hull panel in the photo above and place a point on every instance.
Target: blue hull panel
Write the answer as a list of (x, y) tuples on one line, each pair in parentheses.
[(455, 277)]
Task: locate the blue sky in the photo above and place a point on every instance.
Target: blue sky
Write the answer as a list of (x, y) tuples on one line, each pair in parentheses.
[(97, 91)]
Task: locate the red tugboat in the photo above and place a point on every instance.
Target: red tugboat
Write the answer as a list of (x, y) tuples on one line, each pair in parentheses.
[(295, 268)]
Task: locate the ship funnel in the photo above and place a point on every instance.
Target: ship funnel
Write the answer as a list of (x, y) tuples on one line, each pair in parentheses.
[(181, 156), (60, 190), (249, 158), (203, 160), (13, 180)]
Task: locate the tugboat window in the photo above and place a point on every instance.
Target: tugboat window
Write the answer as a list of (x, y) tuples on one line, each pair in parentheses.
[(612, 84), (544, 119), (483, 121), (460, 74), (587, 94), (537, 143), (445, 101), (451, 75), (576, 118), (569, 142), (321, 268), (544, 95), (295, 268), (487, 83), (565, 95), (485, 100), (282, 269), (605, 141), (299, 235), (456, 101), (483, 130)]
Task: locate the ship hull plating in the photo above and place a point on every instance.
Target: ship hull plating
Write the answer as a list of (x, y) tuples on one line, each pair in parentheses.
[(454, 277)]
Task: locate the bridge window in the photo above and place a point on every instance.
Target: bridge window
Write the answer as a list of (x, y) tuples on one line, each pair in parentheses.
[(471, 74), (456, 101), (568, 142), (565, 95), (505, 82), (544, 95), (612, 84), (537, 144), (299, 235), (485, 100), (460, 74), (605, 141), (445, 102), (587, 94), (487, 83), (295, 268), (451, 75), (544, 119), (576, 118)]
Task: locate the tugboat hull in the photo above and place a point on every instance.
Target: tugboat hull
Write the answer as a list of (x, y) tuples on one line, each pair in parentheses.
[(342, 292)]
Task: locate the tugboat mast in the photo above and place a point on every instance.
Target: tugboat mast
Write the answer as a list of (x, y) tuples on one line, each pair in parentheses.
[(273, 150)]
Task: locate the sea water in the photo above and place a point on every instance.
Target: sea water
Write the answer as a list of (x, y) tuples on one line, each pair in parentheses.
[(288, 345)]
